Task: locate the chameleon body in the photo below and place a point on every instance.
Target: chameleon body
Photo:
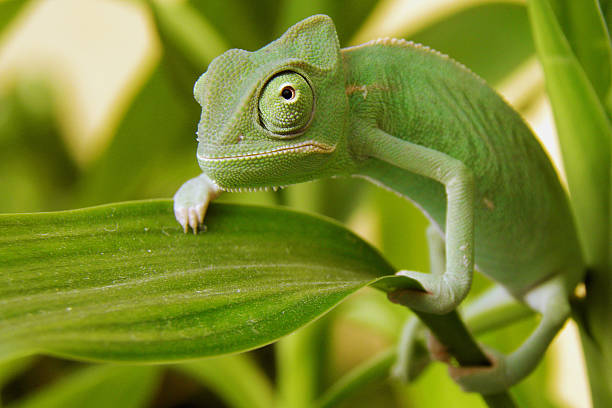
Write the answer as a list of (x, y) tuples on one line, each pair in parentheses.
[(416, 122)]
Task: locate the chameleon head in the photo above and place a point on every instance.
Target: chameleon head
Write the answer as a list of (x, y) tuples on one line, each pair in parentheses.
[(275, 116)]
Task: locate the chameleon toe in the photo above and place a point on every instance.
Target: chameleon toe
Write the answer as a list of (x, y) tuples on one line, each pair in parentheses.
[(181, 215)]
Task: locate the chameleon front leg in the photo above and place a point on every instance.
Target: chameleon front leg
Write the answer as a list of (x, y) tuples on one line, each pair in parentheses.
[(192, 199), (443, 291), (413, 328)]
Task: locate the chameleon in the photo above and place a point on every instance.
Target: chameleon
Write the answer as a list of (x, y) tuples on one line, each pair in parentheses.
[(414, 121)]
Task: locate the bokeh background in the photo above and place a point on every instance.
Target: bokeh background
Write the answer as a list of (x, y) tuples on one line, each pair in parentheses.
[(96, 106)]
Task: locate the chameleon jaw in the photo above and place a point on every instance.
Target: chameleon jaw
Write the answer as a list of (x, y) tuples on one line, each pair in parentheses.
[(304, 147)]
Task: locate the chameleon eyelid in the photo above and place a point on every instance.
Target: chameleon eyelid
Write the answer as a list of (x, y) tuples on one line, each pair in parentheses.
[(279, 127)]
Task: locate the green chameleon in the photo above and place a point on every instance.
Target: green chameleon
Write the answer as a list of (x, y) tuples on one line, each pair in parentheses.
[(416, 122)]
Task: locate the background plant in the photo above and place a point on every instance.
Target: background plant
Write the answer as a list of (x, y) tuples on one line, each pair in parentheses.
[(151, 152)]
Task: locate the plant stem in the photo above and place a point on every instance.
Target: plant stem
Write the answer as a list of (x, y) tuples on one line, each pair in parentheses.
[(448, 327), (598, 368), (378, 366), (236, 379), (375, 368), (299, 360), (450, 331)]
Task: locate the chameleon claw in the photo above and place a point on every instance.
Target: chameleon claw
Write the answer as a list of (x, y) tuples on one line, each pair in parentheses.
[(200, 211), (182, 216), (193, 219)]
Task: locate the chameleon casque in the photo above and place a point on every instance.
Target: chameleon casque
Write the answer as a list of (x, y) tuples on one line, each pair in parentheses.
[(414, 121)]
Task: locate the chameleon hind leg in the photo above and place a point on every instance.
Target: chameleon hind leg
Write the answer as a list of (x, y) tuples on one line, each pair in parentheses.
[(490, 310), (493, 309), (551, 301), (443, 292)]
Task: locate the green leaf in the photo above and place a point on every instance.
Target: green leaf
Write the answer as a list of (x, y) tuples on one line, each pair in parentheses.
[(236, 379), (12, 368), (181, 27), (97, 387), (348, 15), (491, 38), (246, 24), (585, 29), (585, 138), (584, 132), (476, 36), (122, 282), (38, 170), (153, 150), (9, 9)]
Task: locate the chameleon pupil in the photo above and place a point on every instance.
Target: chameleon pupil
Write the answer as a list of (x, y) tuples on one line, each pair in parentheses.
[(288, 93), (286, 104)]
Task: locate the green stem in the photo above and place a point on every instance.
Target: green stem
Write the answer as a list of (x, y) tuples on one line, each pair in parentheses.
[(236, 379), (450, 331), (598, 368), (375, 368), (298, 365), (454, 333)]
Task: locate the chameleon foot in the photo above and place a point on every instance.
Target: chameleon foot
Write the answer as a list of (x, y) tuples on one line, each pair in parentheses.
[(191, 202), (190, 216), (480, 379), (442, 292), (483, 379)]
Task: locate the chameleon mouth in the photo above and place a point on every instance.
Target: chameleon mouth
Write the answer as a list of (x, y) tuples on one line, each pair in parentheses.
[(305, 147)]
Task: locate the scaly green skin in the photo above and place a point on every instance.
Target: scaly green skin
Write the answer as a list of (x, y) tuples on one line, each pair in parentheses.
[(418, 123)]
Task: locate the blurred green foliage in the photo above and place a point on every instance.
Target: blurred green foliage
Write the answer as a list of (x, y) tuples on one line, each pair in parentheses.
[(575, 50), (152, 151)]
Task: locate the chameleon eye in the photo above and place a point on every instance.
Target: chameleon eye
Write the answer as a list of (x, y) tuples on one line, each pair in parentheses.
[(286, 103)]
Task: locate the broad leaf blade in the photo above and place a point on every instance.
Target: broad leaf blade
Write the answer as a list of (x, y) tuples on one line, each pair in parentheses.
[(583, 128), (585, 29), (122, 282), (584, 134)]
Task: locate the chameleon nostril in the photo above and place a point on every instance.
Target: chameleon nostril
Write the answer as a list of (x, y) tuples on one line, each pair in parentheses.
[(239, 138)]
